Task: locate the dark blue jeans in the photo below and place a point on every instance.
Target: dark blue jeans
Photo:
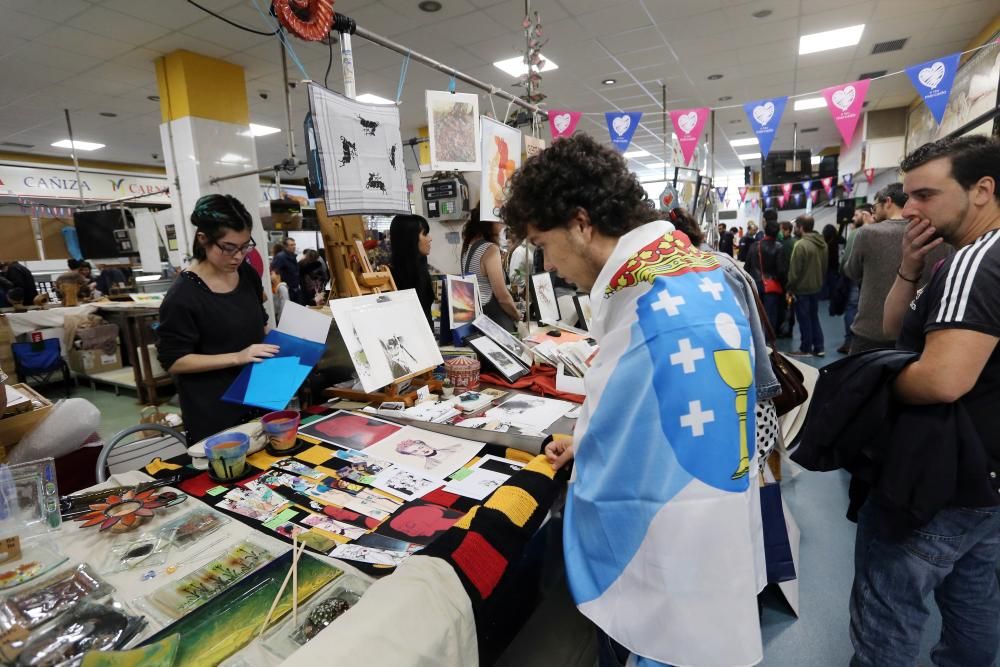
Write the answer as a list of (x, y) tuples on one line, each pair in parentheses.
[(773, 303), (851, 311), (955, 557), (807, 314)]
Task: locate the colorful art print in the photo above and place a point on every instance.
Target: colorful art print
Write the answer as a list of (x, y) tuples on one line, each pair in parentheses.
[(318, 541), (532, 412), (160, 654), (434, 455), (191, 527), (40, 604), (503, 338), (472, 401), (334, 527), (364, 471), (463, 300), (350, 517), (406, 484), (498, 464), (190, 592), (288, 481), (297, 468), (347, 429), (501, 155), (360, 154), (545, 297), (508, 366), (373, 505), (36, 559), (973, 94), (251, 505), (477, 485), (331, 496), (419, 522), (356, 552), (233, 619), (285, 523), (453, 130), (583, 310)]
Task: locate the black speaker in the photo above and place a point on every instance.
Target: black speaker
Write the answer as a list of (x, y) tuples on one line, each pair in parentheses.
[(747, 176), (845, 211)]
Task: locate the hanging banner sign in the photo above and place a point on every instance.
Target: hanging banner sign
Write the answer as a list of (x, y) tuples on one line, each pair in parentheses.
[(933, 80), (721, 192), (562, 123), (621, 127), (688, 124), (57, 183), (848, 182), (743, 194), (786, 189), (845, 102), (764, 116), (532, 146), (870, 175), (827, 185)]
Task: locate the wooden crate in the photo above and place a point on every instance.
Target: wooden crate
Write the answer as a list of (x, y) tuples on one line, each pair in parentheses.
[(16, 426)]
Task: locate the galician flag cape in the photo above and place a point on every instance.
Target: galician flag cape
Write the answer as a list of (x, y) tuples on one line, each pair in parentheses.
[(659, 522)]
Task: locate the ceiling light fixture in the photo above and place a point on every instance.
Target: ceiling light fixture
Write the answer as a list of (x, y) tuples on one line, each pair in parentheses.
[(831, 39), (429, 6), (516, 66), (78, 145), (714, 77), (749, 156), (609, 82), (638, 152), (750, 141), (260, 130), (806, 103), (153, 98), (762, 13), (369, 98), (815, 159)]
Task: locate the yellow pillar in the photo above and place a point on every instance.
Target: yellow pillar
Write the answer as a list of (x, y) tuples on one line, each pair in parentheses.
[(191, 84)]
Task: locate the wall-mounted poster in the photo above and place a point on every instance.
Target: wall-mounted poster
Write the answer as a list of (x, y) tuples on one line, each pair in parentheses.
[(360, 154), (973, 94), (501, 158), (453, 129)]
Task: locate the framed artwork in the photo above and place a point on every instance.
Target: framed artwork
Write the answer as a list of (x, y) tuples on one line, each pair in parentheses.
[(583, 313), (501, 153), (509, 366), (453, 130), (545, 295), (463, 300), (347, 429), (503, 338), (360, 154)]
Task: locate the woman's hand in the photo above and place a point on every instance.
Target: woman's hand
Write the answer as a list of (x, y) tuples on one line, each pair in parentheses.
[(255, 353), (559, 452), (918, 240)]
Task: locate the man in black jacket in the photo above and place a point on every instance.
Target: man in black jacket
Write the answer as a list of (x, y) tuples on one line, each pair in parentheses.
[(954, 324), (766, 263), (20, 276), (288, 268)]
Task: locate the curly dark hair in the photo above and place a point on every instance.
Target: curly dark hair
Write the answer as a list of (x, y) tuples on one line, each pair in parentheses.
[(576, 173), (972, 158)]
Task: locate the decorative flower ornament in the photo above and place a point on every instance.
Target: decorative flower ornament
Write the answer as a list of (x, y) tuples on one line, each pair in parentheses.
[(125, 512)]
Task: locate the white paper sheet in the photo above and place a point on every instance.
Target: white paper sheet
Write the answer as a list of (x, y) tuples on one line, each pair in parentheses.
[(304, 323)]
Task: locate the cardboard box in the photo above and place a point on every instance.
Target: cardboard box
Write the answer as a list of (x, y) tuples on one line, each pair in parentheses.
[(14, 427), (89, 362)]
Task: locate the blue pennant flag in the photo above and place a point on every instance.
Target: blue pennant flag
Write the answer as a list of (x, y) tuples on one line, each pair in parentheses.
[(621, 127), (722, 193), (807, 185), (848, 182), (933, 80), (765, 116), (765, 190)]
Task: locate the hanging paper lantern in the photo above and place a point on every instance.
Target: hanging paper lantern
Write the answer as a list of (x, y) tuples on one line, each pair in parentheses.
[(310, 20)]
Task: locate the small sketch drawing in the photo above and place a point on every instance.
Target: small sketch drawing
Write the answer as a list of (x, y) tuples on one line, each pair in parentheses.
[(401, 362), (368, 126), (349, 149)]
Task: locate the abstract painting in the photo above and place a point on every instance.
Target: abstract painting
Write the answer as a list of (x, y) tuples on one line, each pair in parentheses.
[(463, 300), (453, 129), (501, 151)]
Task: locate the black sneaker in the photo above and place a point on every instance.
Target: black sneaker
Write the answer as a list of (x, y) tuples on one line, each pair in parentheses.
[(821, 353)]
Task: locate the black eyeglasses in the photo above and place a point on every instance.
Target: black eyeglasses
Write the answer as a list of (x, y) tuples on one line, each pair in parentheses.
[(230, 249)]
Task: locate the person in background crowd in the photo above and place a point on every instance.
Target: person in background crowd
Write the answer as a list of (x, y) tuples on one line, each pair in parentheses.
[(20, 276), (787, 238), (726, 240), (954, 324), (805, 279), (280, 292), (74, 276), (833, 241), (288, 268), (312, 273), (746, 241), (481, 257), (212, 319), (519, 252), (875, 256), (580, 203), (862, 216), (766, 263), (110, 278), (410, 242)]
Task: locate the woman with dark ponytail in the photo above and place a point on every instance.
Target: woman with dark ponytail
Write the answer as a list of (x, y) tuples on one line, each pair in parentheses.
[(212, 319)]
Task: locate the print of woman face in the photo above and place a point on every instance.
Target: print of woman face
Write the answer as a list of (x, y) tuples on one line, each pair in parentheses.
[(415, 448)]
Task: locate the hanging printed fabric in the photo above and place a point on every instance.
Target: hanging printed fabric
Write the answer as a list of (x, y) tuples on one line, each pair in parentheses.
[(721, 192), (765, 115), (501, 155), (453, 130), (688, 124), (827, 185), (621, 127), (933, 80), (786, 189), (562, 123), (668, 198), (807, 185), (848, 182), (845, 102), (870, 175), (743, 193)]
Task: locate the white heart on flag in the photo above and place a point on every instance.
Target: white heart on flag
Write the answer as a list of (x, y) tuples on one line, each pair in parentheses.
[(763, 113), (621, 124), (687, 122), (844, 98), (932, 76), (561, 122)]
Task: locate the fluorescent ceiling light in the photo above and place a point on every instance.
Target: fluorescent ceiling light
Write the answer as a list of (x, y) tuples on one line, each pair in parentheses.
[(516, 66), (830, 39), (232, 158), (638, 152), (78, 145), (260, 130), (749, 156), (815, 159), (368, 98), (655, 165), (805, 103), (752, 141)]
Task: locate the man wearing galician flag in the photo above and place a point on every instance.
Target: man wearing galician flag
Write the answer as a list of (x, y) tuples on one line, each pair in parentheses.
[(660, 519)]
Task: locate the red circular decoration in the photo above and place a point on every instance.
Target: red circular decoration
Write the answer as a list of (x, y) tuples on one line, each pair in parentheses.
[(310, 20)]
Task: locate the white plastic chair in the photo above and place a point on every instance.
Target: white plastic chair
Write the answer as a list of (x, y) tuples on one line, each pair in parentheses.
[(120, 456)]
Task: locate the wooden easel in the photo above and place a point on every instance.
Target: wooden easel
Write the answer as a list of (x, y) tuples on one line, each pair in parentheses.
[(352, 274), (391, 392)]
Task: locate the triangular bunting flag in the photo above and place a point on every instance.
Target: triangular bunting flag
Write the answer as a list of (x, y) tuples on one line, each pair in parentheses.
[(797, 197), (743, 193), (764, 116), (688, 124), (807, 185), (845, 102), (621, 127), (933, 80), (786, 189), (848, 181), (781, 201), (814, 195), (562, 123), (827, 185), (765, 191), (721, 192), (870, 174)]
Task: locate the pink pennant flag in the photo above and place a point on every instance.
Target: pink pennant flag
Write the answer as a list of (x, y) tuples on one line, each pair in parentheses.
[(782, 200), (845, 102), (743, 193), (786, 188), (828, 185), (688, 124), (753, 203), (562, 123), (870, 174), (815, 195)]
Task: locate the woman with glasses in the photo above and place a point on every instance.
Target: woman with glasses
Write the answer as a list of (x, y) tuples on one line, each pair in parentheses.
[(212, 319)]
